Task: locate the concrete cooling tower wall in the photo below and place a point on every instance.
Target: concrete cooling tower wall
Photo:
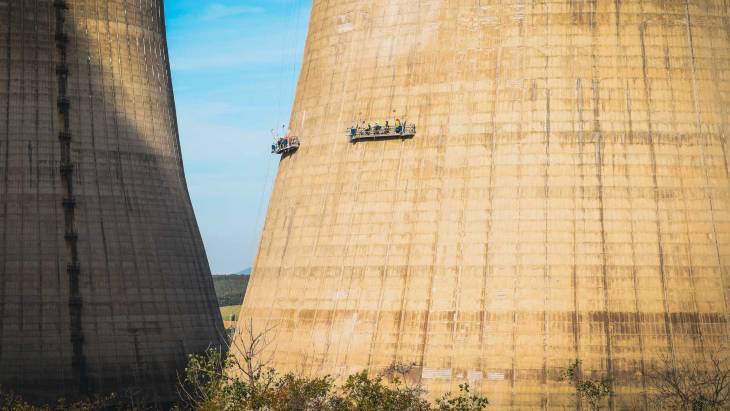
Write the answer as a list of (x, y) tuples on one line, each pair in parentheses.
[(104, 282), (566, 195)]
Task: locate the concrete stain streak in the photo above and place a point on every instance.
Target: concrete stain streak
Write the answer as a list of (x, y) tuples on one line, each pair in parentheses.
[(660, 241), (552, 205), (6, 173), (104, 251), (696, 101)]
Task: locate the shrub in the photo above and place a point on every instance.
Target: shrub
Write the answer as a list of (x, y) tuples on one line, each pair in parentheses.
[(592, 391), (209, 385), (462, 402)]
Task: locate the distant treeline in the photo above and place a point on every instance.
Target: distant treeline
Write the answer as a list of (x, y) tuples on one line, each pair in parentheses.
[(230, 289)]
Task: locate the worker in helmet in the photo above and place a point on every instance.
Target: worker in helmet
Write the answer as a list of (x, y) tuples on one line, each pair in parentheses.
[(368, 129), (387, 127), (398, 126)]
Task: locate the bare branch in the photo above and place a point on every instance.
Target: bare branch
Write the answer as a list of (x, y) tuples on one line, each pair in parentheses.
[(699, 383)]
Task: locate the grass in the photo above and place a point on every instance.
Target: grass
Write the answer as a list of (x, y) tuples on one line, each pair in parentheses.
[(229, 310), (230, 289)]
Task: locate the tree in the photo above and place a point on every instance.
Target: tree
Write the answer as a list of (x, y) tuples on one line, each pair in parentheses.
[(298, 393), (463, 402), (362, 393), (12, 402), (252, 366), (592, 391), (701, 384), (217, 381)]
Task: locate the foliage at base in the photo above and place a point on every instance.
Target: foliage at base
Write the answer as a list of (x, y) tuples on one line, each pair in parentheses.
[(209, 385), (12, 402)]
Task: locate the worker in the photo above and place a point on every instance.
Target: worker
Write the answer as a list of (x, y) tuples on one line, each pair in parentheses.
[(378, 127), (387, 127), (368, 129), (353, 130), (398, 126)]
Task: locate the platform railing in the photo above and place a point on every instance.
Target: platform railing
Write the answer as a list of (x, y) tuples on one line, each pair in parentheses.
[(285, 145), (381, 132)]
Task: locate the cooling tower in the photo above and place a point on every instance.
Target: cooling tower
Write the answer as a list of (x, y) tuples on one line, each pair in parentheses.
[(565, 196), (104, 282)]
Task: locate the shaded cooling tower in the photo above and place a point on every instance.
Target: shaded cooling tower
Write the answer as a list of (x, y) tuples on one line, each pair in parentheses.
[(566, 195), (104, 282)]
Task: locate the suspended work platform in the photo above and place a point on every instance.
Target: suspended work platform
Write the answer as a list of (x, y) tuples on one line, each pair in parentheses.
[(381, 132), (285, 145)]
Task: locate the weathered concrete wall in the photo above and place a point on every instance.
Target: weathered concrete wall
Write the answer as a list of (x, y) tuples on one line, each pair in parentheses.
[(566, 195), (104, 282)]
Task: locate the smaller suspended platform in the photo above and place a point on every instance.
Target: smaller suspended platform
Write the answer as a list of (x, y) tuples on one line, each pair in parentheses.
[(285, 145), (378, 132)]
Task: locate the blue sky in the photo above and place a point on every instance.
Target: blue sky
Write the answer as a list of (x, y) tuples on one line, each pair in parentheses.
[(235, 64)]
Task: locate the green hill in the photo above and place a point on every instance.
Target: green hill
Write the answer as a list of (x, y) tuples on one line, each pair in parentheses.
[(230, 289)]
